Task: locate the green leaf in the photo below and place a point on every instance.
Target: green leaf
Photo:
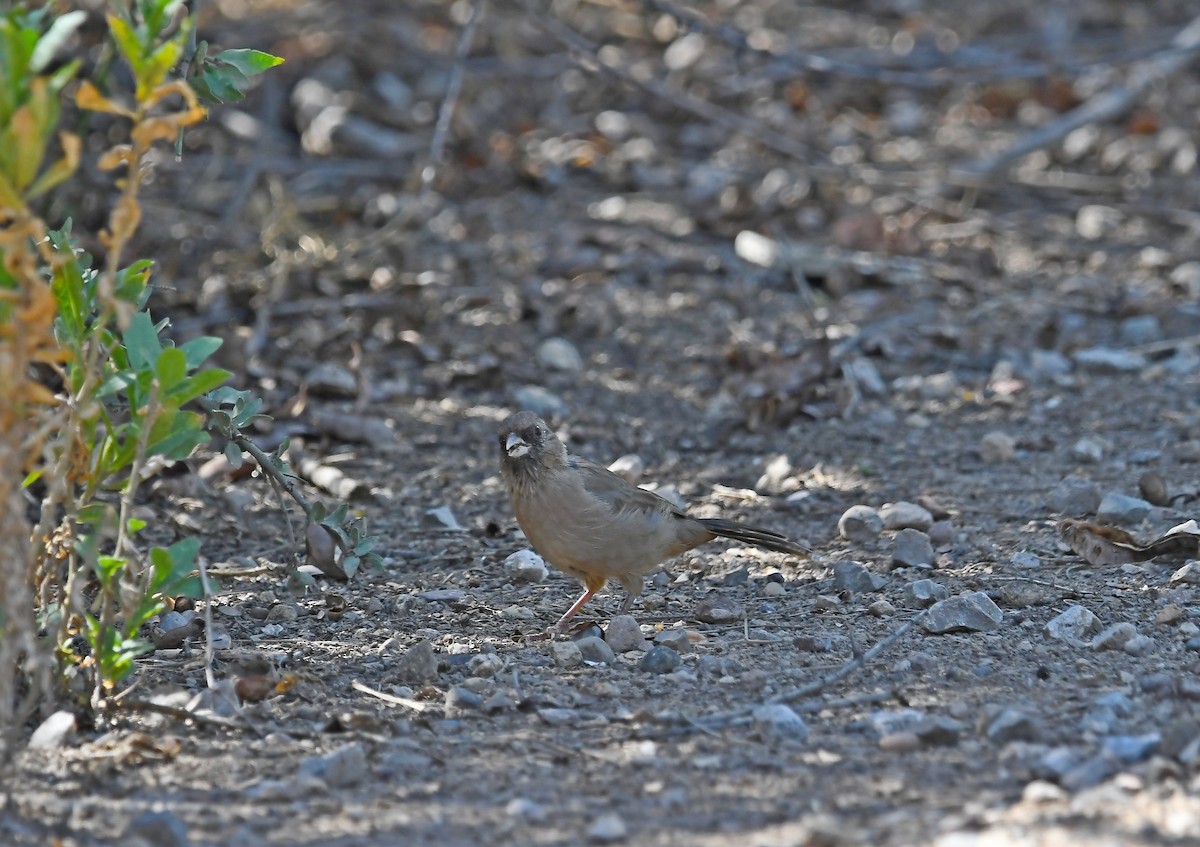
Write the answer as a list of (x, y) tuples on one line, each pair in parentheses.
[(199, 349), (171, 368), (178, 446), (117, 382), (219, 84), (107, 568), (32, 477), (350, 566), (248, 62), (233, 454), (200, 383), (50, 43), (128, 42), (141, 341), (366, 545), (135, 525)]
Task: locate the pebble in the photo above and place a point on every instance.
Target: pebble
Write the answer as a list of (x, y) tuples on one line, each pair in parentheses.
[(675, 639), (501, 701), (594, 649), (882, 609), (1106, 360), (1188, 573), (629, 467), (780, 721), (1012, 725), (607, 828), (812, 644), (716, 608), (566, 654), (1089, 450), (1131, 749), (1019, 594), (418, 665), (1114, 637), (853, 577), (517, 612), (1139, 645), (523, 807), (776, 478), (1170, 614), (541, 401), (340, 768), (997, 447), (526, 566), (559, 354), (1025, 559), (905, 515), (1073, 626), (1075, 495), (1139, 329), (774, 589), (924, 593), (178, 620), (659, 660), (459, 699), (860, 524), (624, 634), (899, 742), (826, 603), (941, 533), (1122, 510), (974, 612), (912, 549), (158, 829), (1091, 771), (485, 665), (53, 731)]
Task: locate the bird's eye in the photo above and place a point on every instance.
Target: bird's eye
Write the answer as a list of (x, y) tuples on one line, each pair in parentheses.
[(538, 431)]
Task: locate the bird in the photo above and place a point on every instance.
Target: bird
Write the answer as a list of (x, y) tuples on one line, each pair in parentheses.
[(594, 525)]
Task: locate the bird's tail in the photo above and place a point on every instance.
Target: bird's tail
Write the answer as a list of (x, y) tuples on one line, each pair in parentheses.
[(757, 536)]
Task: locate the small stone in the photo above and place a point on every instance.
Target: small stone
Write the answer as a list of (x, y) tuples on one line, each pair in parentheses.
[(566, 654), (526, 809), (812, 644), (997, 447), (624, 634), (283, 612), (938, 730), (607, 828), (716, 608), (418, 665), (559, 354), (485, 665), (899, 742), (178, 620), (526, 566), (53, 731), (1122, 510), (854, 578), (780, 721), (157, 829), (826, 603), (974, 612), (1187, 573), (1132, 749), (542, 402), (629, 467), (1072, 626), (1019, 594), (1172, 613), (1139, 645), (941, 533), (1025, 559), (1012, 725), (1139, 329), (1153, 488), (1094, 221), (460, 699), (659, 660), (912, 549), (1089, 450), (516, 612), (776, 478), (774, 589), (501, 701), (675, 639), (924, 593), (443, 595), (1114, 637), (905, 515), (1090, 772), (1075, 495), (882, 609), (341, 768), (860, 524), (1104, 360), (593, 649)]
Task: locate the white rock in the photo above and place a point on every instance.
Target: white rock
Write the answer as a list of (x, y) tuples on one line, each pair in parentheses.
[(526, 566)]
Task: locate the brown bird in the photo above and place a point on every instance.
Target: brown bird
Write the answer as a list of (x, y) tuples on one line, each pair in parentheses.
[(592, 524)]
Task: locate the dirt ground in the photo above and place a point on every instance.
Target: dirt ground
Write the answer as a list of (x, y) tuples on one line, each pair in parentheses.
[(821, 308)]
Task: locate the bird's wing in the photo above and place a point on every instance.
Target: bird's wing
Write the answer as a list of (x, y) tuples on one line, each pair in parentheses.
[(618, 494)]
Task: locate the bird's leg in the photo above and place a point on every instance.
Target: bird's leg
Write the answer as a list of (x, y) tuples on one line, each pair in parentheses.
[(591, 585), (632, 583)]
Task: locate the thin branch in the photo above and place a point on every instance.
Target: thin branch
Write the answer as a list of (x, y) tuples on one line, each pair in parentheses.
[(453, 89), (1182, 51)]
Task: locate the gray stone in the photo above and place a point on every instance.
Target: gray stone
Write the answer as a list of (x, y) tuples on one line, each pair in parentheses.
[(1188, 573), (1048, 363), (559, 354), (675, 639), (974, 612), (776, 720), (541, 401), (1122, 510), (629, 467), (912, 549), (460, 699), (659, 659), (860, 524), (607, 828), (418, 665), (1089, 450), (1091, 771), (941, 533), (882, 609), (924, 593), (905, 515), (1139, 329), (997, 447), (157, 829), (1131, 749), (53, 731), (1012, 725), (526, 566), (1139, 645), (566, 654), (1105, 360), (340, 768), (1025, 559), (716, 608), (624, 634), (853, 577), (1075, 495), (1072, 626), (1114, 637), (938, 730), (593, 649)]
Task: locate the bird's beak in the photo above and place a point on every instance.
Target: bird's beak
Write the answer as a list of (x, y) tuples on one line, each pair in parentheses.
[(515, 446)]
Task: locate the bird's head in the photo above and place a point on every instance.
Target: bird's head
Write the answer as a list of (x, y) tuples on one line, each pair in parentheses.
[(528, 445)]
